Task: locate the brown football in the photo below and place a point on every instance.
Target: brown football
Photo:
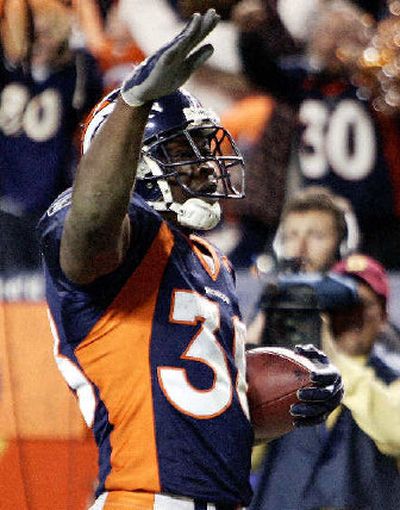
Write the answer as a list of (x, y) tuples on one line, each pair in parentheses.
[(274, 374)]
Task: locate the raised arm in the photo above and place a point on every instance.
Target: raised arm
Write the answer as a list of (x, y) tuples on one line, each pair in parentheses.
[(97, 231), (15, 28)]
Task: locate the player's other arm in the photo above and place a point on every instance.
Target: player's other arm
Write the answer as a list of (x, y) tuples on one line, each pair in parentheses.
[(96, 232), (15, 28)]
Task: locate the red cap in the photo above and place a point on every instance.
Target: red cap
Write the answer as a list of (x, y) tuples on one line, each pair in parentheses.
[(366, 269)]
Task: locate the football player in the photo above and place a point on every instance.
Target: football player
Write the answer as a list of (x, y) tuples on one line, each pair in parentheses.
[(145, 315)]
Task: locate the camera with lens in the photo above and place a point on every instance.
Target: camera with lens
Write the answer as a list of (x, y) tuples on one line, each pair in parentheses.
[(293, 303)]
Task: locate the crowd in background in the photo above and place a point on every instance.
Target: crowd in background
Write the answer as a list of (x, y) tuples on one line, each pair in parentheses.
[(282, 78), (309, 89), (301, 111)]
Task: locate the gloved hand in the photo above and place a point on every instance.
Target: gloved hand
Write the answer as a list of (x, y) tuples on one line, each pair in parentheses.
[(319, 401), (169, 68)]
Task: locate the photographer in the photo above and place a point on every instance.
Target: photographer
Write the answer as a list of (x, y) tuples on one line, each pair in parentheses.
[(316, 229), (351, 461)]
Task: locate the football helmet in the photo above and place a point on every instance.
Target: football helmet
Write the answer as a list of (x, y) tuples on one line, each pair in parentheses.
[(181, 134)]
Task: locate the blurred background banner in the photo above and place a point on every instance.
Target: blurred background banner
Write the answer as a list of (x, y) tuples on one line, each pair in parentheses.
[(35, 402), (47, 457)]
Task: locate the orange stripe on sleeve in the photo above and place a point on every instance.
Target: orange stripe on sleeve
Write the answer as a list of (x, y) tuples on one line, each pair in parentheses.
[(115, 356)]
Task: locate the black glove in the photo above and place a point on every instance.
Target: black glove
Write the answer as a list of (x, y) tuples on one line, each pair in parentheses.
[(316, 403)]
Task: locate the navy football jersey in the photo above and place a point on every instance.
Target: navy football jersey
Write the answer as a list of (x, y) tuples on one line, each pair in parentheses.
[(342, 144), (38, 120), (155, 353), (346, 146)]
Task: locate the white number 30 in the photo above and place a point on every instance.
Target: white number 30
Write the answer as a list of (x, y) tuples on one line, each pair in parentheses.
[(191, 308), (342, 140)]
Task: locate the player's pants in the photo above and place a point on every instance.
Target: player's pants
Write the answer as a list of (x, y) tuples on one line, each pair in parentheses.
[(120, 500)]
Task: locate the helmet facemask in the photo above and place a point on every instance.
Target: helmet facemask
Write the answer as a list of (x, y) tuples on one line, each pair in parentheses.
[(167, 160), (179, 120)]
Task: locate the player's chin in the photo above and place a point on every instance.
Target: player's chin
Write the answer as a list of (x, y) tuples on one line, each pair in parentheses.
[(206, 188), (206, 197), (211, 200)]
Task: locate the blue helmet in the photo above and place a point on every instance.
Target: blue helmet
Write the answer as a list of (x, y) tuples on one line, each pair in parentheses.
[(179, 117)]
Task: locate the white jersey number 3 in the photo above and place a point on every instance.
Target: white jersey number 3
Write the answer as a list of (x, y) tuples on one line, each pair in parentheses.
[(191, 308)]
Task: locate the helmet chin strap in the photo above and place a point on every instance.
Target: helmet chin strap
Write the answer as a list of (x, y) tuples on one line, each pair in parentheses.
[(197, 214), (194, 213)]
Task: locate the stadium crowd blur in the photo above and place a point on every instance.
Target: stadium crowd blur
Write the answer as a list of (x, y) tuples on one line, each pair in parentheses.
[(309, 89), (284, 79)]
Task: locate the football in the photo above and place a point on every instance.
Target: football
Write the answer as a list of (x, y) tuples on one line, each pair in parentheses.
[(274, 374)]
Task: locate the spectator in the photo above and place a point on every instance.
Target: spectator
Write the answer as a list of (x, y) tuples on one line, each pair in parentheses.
[(261, 125), (107, 36), (45, 88), (316, 229), (342, 141), (146, 313), (351, 461)]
